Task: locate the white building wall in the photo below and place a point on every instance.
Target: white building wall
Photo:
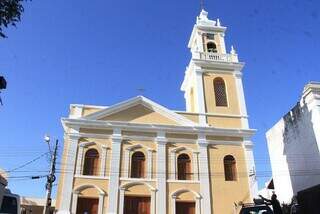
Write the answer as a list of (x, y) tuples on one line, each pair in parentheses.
[(294, 148)]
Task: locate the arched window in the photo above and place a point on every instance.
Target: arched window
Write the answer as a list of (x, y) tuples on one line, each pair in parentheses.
[(91, 162), (184, 167), (137, 165), (220, 92), (211, 47), (230, 171)]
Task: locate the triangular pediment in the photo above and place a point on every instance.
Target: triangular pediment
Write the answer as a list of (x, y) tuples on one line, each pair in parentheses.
[(140, 110)]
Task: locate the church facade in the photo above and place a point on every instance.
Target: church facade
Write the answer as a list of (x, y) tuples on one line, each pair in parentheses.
[(139, 157)]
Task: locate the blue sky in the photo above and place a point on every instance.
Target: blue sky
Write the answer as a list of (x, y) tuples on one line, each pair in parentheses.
[(100, 52)]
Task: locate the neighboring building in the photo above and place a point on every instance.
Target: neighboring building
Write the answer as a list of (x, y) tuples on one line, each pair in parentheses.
[(3, 184), (268, 189), (294, 145), (34, 205), (140, 157)]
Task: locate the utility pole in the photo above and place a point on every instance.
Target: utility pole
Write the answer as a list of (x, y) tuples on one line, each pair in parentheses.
[(50, 178)]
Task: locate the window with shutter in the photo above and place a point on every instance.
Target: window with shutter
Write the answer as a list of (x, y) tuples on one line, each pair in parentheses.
[(220, 92)]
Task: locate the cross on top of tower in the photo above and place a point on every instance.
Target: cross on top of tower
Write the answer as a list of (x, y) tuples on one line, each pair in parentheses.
[(202, 4)]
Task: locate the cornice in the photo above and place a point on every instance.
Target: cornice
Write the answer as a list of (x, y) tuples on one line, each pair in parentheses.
[(77, 123), (226, 67)]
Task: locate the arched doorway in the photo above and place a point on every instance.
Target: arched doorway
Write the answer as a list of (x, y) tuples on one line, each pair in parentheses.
[(134, 201), (185, 201)]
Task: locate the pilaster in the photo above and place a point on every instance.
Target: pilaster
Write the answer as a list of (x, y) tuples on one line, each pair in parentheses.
[(79, 160), (204, 176), (200, 98), (103, 161), (70, 168), (195, 166), (161, 199), (241, 100), (150, 161), (251, 169), (115, 171)]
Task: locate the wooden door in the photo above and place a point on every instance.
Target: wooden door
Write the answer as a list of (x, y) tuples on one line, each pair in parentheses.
[(87, 206), (136, 205), (185, 207)]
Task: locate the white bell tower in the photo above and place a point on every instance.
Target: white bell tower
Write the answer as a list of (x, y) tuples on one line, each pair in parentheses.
[(209, 56)]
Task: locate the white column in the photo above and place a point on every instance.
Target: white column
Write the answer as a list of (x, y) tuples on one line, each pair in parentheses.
[(121, 201), (79, 160), (150, 163), (126, 163), (70, 168), (161, 173), (173, 166), (241, 100), (198, 205), (74, 202), (200, 98), (253, 184), (195, 166), (114, 172), (153, 202), (103, 161), (101, 204), (173, 205), (204, 176)]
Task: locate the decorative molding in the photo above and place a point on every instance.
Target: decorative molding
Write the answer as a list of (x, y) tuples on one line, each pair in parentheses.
[(92, 177), (197, 198), (142, 101), (213, 114), (76, 193), (137, 179), (156, 127), (183, 181), (124, 187)]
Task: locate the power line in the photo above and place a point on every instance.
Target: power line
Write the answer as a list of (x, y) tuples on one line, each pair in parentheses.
[(27, 163)]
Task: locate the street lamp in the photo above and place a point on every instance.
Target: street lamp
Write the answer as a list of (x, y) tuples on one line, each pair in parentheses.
[(51, 177)]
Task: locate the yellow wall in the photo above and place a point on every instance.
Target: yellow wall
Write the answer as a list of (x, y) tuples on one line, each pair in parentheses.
[(233, 104), (226, 193), (140, 114)]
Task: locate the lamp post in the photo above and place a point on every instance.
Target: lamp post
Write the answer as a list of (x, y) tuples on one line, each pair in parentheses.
[(51, 177)]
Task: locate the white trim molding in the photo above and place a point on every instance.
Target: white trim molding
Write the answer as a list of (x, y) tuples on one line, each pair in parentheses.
[(241, 99), (204, 174), (81, 156), (128, 156), (197, 199), (173, 162), (140, 100), (251, 168), (114, 171), (70, 168), (126, 186), (161, 172), (78, 190)]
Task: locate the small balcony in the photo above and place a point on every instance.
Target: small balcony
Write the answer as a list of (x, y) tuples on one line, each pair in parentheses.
[(215, 57)]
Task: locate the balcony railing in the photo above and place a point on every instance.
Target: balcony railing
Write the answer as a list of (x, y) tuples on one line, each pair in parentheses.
[(218, 57)]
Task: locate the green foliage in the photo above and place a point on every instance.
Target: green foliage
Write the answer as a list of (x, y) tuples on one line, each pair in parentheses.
[(10, 14)]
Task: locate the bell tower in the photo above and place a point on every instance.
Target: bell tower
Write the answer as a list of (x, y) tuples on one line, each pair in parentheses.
[(213, 79)]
